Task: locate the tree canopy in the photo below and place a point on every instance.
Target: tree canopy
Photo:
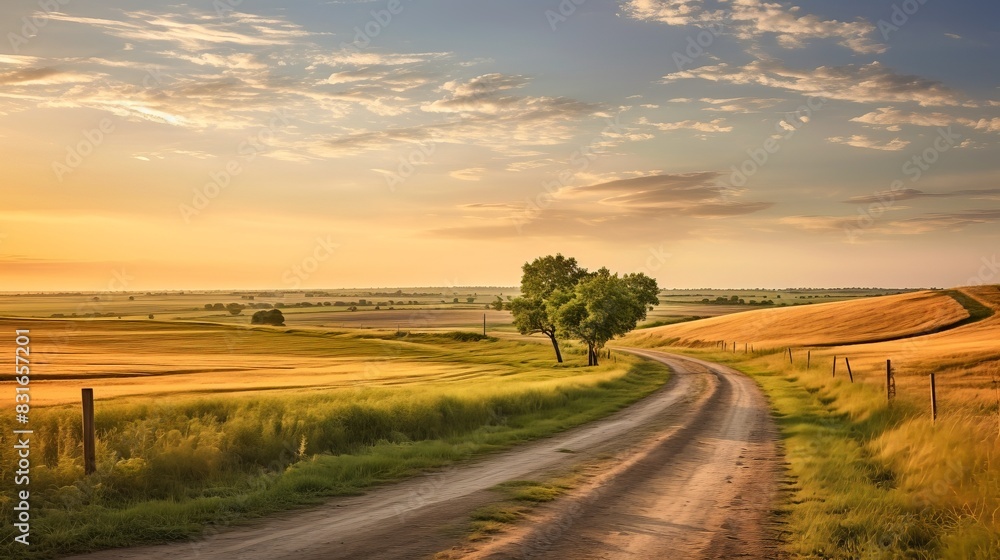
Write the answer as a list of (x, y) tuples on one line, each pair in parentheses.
[(561, 299), (540, 279), (602, 306)]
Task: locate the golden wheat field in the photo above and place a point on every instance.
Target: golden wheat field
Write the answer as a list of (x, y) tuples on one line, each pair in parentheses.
[(826, 324), (872, 476), (157, 360), (963, 351)]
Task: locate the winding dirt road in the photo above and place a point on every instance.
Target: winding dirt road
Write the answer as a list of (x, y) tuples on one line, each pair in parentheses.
[(694, 474)]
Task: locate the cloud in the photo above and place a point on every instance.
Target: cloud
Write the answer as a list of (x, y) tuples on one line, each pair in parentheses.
[(356, 75), (753, 19), (694, 194), (889, 117), (869, 83), (44, 76), (910, 194), (820, 224), (616, 209), (945, 221), (716, 125), (989, 125), (193, 33), (922, 224), (348, 57), (482, 94), (676, 12), (198, 71), (241, 61), (470, 174), (18, 60), (492, 205), (739, 104), (862, 141), (892, 119), (481, 111)]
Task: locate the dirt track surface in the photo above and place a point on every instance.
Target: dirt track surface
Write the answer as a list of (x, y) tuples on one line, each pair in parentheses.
[(694, 476)]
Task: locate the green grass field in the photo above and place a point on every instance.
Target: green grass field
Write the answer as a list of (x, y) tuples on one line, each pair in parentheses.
[(195, 449)]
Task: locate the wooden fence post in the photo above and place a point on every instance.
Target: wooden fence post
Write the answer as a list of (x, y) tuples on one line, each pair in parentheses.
[(933, 400), (996, 390), (809, 359), (849, 372), (790, 357), (835, 367), (890, 382), (89, 456)]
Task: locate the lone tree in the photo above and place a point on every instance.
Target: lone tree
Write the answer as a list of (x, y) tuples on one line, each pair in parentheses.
[(602, 306), (541, 279), (269, 317), (235, 308)]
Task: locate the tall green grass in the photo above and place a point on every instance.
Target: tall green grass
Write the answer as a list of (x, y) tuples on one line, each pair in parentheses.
[(167, 470)]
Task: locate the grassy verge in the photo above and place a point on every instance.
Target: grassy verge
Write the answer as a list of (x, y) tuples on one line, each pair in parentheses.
[(977, 311), (878, 481), (175, 470)]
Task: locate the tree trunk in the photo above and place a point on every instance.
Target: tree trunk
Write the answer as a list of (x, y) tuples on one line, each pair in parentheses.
[(595, 352), (555, 345)]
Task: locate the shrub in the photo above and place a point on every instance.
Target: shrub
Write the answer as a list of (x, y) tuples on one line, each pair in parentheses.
[(270, 317)]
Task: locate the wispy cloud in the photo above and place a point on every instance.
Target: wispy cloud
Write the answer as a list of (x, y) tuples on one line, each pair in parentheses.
[(622, 208), (869, 83), (862, 141), (193, 32), (891, 118), (470, 174), (911, 194), (739, 104), (716, 125), (754, 19), (917, 225), (479, 110)]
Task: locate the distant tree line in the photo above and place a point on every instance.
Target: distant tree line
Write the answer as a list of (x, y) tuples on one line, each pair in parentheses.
[(736, 300)]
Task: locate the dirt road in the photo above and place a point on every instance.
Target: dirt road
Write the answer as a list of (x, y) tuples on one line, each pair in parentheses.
[(694, 476), (702, 490)]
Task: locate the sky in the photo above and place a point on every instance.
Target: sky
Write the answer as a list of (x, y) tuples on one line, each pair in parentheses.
[(723, 143)]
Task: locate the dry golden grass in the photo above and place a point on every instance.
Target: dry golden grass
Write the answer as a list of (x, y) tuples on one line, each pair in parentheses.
[(849, 322), (965, 361), (154, 360), (874, 479)]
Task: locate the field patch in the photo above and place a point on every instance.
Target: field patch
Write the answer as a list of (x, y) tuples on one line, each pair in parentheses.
[(823, 324), (200, 424)]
